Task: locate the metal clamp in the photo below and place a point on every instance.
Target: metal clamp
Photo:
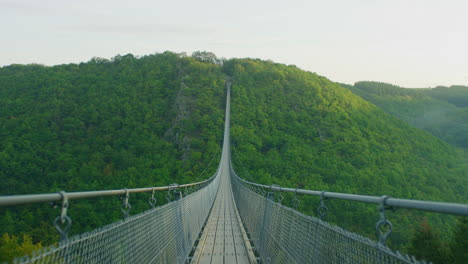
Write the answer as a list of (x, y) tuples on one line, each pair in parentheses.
[(173, 187), (168, 195), (295, 202), (63, 219), (152, 200), (322, 210), (280, 198), (261, 191), (383, 223), (270, 195), (126, 207)]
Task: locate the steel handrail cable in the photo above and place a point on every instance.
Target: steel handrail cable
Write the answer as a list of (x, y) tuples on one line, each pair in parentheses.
[(307, 239), (430, 206), (9, 200), (159, 235)]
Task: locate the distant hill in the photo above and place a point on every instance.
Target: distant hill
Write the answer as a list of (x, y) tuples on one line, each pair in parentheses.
[(298, 129), (442, 111)]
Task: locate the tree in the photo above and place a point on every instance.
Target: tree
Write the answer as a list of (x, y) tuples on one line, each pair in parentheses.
[(205, 56), (11, 247), (459, 244), (427, 245)]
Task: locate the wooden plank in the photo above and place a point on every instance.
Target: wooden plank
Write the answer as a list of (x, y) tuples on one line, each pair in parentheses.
[(218, 249), (229, 244)]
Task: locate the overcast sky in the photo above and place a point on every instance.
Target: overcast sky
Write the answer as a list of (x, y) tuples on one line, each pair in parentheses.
[(412, 43)]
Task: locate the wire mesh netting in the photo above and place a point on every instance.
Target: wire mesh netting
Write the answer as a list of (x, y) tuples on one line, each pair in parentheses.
[(165, 234), (283, 235)]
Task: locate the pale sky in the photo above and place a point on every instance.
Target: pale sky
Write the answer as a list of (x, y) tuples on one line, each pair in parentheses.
[(412, 43)]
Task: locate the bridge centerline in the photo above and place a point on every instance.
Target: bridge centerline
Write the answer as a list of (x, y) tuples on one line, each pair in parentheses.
[(222, 240)]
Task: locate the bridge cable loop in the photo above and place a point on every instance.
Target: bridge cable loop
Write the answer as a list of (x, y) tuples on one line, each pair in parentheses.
[(173, 187), (168, 195), (271, 194), (383, 222), (253, 188), (260, 191), (296, 202), (278, 198), (63, 219), (126, 207), (322, 210), (177, 193), (152, 201), (256, 189)]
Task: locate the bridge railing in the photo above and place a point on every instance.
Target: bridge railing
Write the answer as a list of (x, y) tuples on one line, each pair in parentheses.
[(283, 235), (163, 234), (430, 206), (12, 200)]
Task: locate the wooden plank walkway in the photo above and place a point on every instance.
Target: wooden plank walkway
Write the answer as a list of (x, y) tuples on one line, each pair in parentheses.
[(223, 239)]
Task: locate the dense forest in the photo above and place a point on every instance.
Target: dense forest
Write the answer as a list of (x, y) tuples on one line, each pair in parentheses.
[(155, 120), (442, 111)]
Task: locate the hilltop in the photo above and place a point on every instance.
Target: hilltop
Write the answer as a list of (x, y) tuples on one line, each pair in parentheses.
[(442, 111)]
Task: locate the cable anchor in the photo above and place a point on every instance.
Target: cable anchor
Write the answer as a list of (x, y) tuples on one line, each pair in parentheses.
[(271, 194), (126, 207), (152, 201), (63, 219), (177, 195), (279, 197), (383, 224), (322, 210), (296, 202)]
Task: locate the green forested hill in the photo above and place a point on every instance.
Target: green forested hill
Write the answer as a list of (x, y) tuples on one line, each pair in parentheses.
[(442, 111), (132, 122), (298, 129), (125, 123)]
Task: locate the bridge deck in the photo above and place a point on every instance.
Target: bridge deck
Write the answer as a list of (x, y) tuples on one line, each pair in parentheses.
[(223, 239)]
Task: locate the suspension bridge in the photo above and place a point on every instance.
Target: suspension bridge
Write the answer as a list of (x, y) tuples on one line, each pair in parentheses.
[(225, 219)]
